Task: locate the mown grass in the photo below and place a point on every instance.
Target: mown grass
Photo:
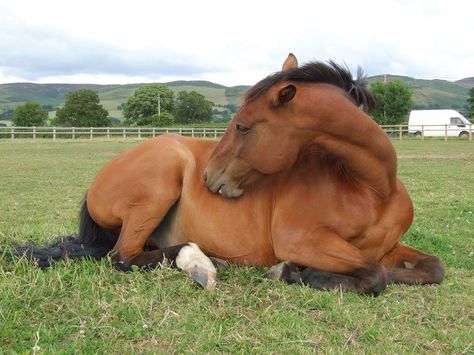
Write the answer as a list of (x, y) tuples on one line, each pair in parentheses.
[(89, 307)]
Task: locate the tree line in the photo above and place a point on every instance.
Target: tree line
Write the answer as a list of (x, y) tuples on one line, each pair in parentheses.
[(150, 105), (156, 105)]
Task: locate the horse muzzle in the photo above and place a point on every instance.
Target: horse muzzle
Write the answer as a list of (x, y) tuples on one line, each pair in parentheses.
[(218, 183)]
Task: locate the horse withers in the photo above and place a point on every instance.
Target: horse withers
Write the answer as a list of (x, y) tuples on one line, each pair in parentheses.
[(303, 181)]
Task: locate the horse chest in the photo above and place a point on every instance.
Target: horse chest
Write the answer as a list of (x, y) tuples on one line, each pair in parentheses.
[(346, 209)]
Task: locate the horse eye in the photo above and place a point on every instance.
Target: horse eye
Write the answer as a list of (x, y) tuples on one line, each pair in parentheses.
[(241, 129)]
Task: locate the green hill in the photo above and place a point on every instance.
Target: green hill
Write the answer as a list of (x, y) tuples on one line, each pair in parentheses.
[(434, 94), (426, 93)]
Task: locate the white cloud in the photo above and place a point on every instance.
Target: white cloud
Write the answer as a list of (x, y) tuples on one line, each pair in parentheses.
[(123, 41)]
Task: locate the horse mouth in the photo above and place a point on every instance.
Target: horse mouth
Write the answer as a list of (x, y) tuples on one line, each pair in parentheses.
[(228, 191)]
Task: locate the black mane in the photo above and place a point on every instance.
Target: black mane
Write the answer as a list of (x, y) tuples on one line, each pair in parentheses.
[(318, 72)]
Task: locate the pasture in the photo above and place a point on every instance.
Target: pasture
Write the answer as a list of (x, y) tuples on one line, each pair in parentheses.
[(89, 307)]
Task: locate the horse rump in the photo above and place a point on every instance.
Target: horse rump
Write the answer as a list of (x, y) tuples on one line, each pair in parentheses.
[(92, 242)]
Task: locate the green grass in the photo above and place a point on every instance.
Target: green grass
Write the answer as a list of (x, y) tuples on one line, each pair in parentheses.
[(89, 307)]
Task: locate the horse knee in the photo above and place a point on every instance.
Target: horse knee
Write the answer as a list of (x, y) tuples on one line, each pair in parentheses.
[(372, 281)]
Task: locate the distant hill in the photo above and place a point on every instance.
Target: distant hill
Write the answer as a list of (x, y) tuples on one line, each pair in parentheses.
[(466, 82), (433, 94), (426, 93)]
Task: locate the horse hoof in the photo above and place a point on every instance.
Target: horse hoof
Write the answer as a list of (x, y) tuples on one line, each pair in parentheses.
[(284, 271), (197, 265), (276, 271), (205, 279)]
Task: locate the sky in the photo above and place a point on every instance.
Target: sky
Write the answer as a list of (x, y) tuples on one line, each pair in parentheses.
[(229, 42)]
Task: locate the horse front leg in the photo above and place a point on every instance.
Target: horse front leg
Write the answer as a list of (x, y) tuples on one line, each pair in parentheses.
[(406, 265), (330, 262)]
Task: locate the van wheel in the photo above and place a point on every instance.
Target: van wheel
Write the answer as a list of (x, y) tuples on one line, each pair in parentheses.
[(464, 134)]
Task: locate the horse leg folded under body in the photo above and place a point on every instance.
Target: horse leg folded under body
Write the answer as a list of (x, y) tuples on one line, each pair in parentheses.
[(129, 250), (331, 262), (406, 265), (323, 280)]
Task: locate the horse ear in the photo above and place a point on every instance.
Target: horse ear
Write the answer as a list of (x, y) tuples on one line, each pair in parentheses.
[(285, 95), (290, 63)]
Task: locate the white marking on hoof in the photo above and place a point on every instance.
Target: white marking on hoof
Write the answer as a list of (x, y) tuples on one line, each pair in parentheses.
[(276, 271), (198, 266)]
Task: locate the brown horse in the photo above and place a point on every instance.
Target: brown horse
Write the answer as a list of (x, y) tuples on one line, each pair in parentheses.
[(303, 180)]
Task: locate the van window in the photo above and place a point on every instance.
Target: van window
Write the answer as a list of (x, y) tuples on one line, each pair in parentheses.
[(456, 121)]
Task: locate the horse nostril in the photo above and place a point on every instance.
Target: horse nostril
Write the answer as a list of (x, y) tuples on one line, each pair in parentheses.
[(205, 176)]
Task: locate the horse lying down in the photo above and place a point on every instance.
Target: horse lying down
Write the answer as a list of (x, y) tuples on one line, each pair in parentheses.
[(303, 181)]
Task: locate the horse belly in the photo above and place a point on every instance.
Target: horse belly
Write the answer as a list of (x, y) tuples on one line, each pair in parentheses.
[(233, 230)]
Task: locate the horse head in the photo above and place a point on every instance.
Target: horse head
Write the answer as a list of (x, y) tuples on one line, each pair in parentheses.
[(274, 124)]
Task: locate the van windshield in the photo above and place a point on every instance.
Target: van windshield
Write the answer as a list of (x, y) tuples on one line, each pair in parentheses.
[(459, 121)]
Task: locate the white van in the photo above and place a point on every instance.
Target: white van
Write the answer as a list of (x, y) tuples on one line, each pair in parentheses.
[(435, 123)]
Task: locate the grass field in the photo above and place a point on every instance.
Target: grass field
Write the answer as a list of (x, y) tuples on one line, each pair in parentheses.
[(89, 307)]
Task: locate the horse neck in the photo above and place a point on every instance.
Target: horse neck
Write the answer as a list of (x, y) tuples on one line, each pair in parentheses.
[(358, 142)]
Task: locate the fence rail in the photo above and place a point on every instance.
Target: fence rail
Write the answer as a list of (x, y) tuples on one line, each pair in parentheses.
[(104, 132), (394, 131)]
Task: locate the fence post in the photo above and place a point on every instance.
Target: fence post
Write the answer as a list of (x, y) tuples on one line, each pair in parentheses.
[(34, 132), (123, 133), (108, 133), (422, 132), (215, 133), (139, 132), (54, 133), (445, 132), (192, 132), (400, 132), (153, 130), (90, 133), (180, 131), (73, 134), (12, 130)]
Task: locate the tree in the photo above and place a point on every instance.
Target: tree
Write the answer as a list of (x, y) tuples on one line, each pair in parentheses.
[(232, 107), (143, 104), (82, 109), (166, 119), (29, 114), (192, 107), (470, 101), (394, 102)]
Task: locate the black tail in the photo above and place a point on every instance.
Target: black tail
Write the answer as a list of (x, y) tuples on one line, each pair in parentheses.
[(92, 241)]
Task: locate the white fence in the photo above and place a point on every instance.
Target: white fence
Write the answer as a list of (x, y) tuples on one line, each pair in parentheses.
[(397, 131), (104, 132), (430, 131)]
